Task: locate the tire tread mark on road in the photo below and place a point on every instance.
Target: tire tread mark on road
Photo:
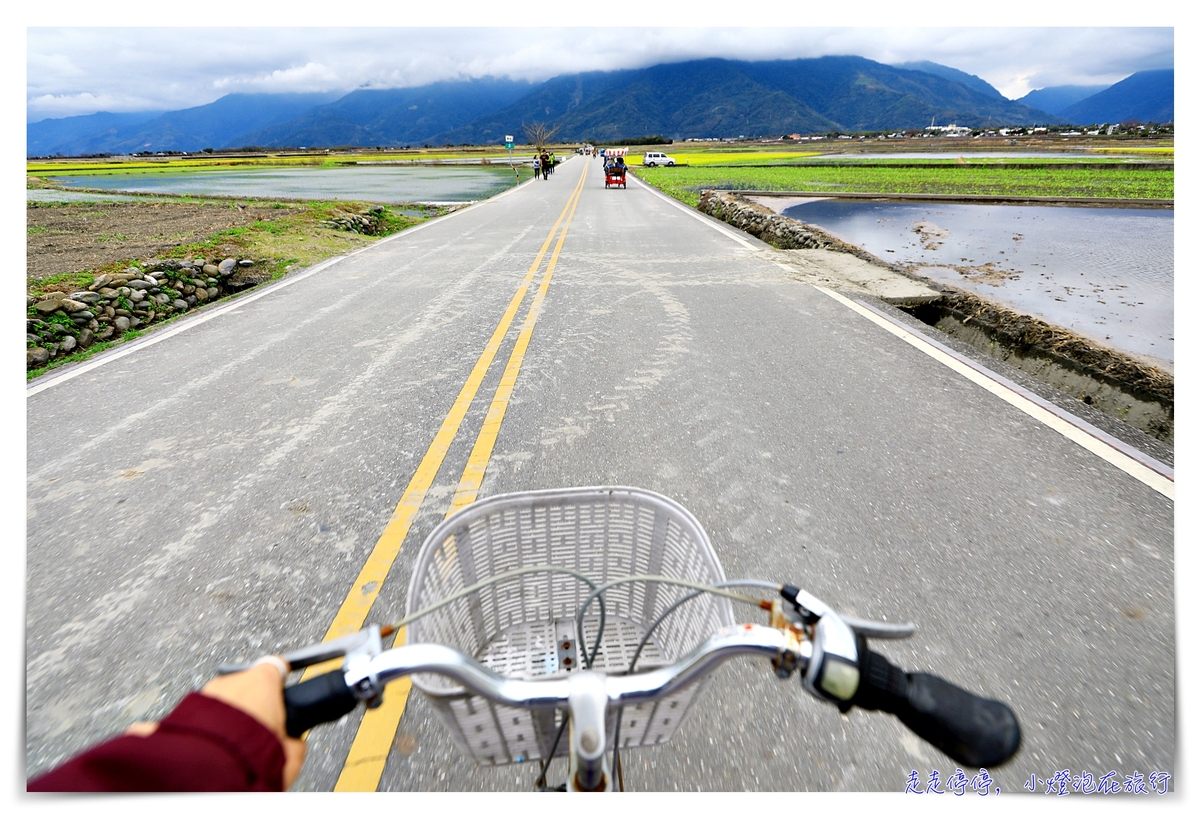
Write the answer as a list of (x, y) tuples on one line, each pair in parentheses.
[(1072, 430), (116, 604), (191, 386), (368, 753)]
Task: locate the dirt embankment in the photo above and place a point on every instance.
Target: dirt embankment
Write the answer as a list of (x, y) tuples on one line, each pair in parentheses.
[(68, 238)]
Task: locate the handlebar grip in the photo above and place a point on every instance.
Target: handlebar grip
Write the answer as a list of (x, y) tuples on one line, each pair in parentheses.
[(320, 699), (972, 730)]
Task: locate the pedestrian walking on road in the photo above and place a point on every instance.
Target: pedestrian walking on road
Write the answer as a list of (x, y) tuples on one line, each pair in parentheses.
[(537, 167), (545, 165)]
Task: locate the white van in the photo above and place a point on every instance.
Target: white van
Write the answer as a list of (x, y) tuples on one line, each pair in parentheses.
[(651, 160)]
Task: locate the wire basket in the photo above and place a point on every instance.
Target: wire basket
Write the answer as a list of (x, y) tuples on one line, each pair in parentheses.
[(525, 627)]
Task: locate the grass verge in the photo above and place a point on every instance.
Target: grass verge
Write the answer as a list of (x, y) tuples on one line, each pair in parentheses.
[(300, 238)]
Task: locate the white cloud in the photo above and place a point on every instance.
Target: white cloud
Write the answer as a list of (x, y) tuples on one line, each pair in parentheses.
[(74, 70), (311, 76), (63, 105), (58, 66)]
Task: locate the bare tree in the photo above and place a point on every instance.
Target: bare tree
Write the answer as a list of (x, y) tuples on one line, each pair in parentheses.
[(539, 134)]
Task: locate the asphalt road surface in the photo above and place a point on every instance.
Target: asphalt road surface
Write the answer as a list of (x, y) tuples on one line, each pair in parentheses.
[(213, 491)]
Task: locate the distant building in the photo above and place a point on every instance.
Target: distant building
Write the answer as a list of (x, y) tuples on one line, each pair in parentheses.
[(948, 130)]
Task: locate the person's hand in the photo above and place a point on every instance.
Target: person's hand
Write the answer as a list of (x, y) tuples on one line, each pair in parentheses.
[(258, 692)]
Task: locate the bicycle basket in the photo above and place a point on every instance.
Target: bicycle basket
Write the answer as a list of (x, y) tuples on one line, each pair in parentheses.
[(525, 626)]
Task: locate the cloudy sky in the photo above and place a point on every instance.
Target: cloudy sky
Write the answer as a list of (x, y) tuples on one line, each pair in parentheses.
[(92, 66)]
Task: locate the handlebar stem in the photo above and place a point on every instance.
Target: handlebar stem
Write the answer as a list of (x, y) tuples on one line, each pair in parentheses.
[(588, 701)]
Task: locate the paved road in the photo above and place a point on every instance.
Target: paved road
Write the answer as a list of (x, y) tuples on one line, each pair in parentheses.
[(215, 493)]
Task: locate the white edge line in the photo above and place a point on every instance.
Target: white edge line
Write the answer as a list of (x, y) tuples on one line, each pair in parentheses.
[(695, 214), (1101, 435), (195, 320), (1101, 449), (186, 324), (1097, 447)]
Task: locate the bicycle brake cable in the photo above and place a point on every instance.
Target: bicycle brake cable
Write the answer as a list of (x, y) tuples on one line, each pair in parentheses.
[(531, 569), (597, 591), (736, 583)]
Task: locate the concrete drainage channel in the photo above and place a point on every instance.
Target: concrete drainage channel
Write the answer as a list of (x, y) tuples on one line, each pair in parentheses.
[(1116, 384)]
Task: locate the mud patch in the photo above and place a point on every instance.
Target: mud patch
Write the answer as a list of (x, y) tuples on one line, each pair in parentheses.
[(68, 238), (930, 235), (990, 273)]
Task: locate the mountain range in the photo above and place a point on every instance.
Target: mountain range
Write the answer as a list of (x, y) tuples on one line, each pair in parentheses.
[(1147, 96), (700, 98)]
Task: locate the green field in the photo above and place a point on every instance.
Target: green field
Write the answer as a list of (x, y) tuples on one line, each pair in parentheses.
[(1034, 152), (1122, 182), (709, 156), (139, 164)]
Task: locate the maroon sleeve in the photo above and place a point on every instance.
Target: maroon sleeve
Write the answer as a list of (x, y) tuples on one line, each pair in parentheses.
[(203, 744)]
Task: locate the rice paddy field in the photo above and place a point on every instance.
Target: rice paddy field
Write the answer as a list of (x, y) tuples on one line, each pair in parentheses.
[(699, 157), (139, 164), (1140, 169), (1104, 181)]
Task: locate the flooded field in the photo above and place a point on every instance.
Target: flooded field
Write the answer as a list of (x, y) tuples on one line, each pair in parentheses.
[(1107, 274), (390, 184)]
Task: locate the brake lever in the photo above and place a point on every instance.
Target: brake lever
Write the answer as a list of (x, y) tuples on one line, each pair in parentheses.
[(810, 610), (367, 642), (879, 630), (833, 671)]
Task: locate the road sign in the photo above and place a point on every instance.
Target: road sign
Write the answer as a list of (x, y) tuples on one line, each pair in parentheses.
[(508, 141)]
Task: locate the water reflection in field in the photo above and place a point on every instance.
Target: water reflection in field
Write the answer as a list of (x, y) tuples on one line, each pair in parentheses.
[(371, 184), (1104, 273), (56, 195)]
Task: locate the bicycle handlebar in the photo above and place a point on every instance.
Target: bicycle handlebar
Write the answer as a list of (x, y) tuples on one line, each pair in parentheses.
[(970, 729), (332, 695)]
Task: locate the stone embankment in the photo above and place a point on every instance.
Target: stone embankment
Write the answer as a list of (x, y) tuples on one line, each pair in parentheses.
[(766, 225), (58, 323), (1117, 384), (366, 223)]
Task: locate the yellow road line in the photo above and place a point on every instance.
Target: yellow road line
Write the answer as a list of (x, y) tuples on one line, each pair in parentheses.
[(376, 732), (481, 453), (358, 602)]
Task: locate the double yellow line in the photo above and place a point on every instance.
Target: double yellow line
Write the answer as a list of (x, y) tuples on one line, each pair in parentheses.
[(368, 754)]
